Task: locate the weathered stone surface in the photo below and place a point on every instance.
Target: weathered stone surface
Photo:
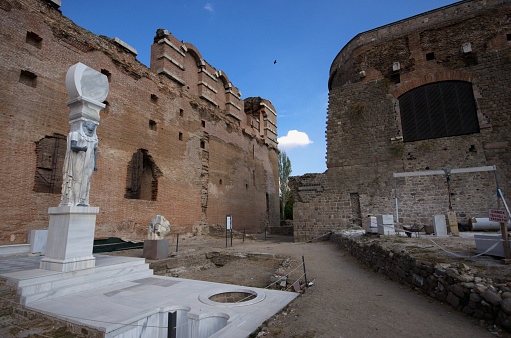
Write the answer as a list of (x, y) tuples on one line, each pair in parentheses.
[(506, 295), (506, 305), (458, 290), (491, 297), (418, 280), (480, 288), (475, 297), (466, 278), (452, 299)]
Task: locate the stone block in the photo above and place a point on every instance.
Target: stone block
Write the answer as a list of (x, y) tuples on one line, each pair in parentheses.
[(386, 230), (37, 240), (385, 219), (156, 249), (371, 225), (439, 225)]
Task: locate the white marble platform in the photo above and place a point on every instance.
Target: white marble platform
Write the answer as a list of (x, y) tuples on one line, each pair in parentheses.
[(70, 238), (139, 300)]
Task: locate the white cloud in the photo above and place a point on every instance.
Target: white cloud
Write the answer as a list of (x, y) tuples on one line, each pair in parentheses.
[(209, 8), (293, 139)]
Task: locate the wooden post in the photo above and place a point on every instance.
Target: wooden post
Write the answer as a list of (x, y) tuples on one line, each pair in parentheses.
[(505, 238), (453, 223)]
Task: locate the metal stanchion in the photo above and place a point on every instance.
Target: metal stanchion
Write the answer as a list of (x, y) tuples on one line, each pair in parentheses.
[(304, 272)]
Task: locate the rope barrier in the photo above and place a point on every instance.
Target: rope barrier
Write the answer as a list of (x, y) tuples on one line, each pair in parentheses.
[(421, 234), (278, 280), (460, 256)]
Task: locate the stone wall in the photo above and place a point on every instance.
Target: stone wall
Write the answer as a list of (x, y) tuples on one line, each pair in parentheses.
[(177, 131), (364, 133), (457, 284)]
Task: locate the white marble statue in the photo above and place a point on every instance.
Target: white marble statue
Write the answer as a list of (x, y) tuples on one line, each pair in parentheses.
[(87, 90), (80, 162)]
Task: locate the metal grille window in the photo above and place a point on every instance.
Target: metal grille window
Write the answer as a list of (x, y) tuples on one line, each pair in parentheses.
[(438, 109)]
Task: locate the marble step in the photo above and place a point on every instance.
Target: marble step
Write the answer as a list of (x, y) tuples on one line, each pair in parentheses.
[(80, 286), (45, 285), (115, 265)]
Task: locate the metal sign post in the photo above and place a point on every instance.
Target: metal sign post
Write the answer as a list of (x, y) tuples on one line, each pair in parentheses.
[(228, 223)]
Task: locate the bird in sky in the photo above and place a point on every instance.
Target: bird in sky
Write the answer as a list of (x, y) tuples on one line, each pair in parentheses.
[(274, 62)]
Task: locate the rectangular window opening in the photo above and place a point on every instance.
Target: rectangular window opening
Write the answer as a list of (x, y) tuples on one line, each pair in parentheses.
[(152, 125), (203, 123), (154, 98), (430, 56), (180, 136), (508, 37), (181, 112), (34, 39), (202, 144), (395, 78), (28, 78)]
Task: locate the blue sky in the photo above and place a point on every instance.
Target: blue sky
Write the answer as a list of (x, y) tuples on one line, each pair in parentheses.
[(243, 38)]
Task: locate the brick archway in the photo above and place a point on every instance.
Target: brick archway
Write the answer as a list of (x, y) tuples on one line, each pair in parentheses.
[(431, 78)]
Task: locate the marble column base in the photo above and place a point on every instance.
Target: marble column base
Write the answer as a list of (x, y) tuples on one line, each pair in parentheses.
[(70, 239)]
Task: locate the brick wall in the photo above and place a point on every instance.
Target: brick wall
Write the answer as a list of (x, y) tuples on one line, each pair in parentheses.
[(192, 141), (364, 133)]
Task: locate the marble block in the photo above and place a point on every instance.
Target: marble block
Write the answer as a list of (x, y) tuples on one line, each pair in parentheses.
[(372, 225), (70, 238), (439, 225), (156, 249), (385, 219), (386, 230), (37, 240)]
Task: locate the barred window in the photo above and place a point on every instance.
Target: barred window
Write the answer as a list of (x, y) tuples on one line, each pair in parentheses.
[(438, 109)]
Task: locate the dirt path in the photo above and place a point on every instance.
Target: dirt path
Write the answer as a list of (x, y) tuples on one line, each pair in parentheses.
[(348, 300)]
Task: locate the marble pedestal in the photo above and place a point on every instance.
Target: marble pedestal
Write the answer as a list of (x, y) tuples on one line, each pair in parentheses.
[(70, 239), (156, 249)]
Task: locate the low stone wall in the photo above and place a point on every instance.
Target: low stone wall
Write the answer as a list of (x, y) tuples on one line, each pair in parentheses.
[(457, 284)]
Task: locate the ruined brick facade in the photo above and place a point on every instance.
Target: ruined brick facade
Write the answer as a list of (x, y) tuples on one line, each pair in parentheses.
[(467, 44), (174, 138)]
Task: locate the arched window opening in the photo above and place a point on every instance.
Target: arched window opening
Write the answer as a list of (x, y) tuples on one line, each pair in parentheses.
[(439, 109), (142, 178)]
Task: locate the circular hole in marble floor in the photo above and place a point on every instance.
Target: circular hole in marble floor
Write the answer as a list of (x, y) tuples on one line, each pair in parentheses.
[(233, 297)]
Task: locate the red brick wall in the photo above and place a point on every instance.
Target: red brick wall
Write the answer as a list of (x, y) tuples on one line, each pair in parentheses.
[(186, 191)]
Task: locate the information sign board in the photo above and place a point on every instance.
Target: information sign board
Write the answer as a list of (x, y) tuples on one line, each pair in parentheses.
[(497, 215)]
